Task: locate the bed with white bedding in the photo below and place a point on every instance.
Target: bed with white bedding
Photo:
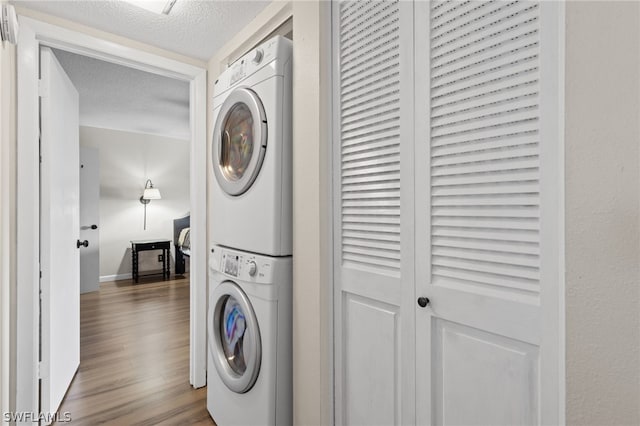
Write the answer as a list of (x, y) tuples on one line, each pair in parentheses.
[(182, 242)]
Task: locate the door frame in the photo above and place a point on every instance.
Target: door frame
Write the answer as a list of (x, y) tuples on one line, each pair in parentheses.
[(33, 34)]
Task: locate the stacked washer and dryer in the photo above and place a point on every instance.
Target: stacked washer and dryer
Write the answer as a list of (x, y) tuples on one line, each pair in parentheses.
[(250, 267)]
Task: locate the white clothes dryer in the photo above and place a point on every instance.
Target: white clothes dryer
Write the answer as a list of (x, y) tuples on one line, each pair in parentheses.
[(249, 379), (251, 152)]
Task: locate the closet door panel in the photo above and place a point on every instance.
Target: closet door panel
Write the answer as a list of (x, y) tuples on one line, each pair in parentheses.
[(373, 213), (480, 74)]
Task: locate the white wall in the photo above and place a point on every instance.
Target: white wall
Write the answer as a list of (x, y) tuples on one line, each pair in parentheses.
[(602, 213), (127, 160)]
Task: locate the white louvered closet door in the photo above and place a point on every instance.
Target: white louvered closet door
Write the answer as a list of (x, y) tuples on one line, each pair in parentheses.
[(447, 186), (373, 216), (487, 188)]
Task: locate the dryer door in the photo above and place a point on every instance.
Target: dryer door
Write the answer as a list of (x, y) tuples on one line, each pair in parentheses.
[(234, 337), (239, 141)]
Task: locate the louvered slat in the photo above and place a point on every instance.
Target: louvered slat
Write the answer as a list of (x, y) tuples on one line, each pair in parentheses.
[(485, 216), (493, 200), (389, 134), (371, 236), (479, 245), (370, 146), (369, 114), (379, 202), (366, 171), (502, 165), (372, 162), (485, 144), (485, 222), (486, 211)]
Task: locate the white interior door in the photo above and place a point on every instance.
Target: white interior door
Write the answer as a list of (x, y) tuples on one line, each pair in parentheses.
[(90, 218), (487, 150), (59, 232), (373, 216), (447, 188)]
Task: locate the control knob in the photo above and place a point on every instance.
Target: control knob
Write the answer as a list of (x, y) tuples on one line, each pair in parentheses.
[(257, 56), (253, 268)]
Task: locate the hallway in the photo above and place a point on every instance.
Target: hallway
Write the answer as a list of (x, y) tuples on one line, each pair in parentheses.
[(134, 357)]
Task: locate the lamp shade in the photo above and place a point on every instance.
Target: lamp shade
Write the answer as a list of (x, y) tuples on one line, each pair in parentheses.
[(151, 194)]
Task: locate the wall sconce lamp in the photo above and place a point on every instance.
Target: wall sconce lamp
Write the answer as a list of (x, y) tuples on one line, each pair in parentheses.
[(150, 193)]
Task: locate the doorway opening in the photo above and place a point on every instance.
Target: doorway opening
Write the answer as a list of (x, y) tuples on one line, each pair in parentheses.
[(131, 126), (35, 35)]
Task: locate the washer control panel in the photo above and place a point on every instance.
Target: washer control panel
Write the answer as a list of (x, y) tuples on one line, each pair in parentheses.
[(231, 264), (244, 266), (253, 268)]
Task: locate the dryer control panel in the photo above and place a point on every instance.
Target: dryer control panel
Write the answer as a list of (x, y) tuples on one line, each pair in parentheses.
[(274, 53), (254, 60)]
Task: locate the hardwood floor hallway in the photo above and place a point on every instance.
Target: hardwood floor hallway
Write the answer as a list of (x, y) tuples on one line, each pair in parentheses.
[(134, 358)]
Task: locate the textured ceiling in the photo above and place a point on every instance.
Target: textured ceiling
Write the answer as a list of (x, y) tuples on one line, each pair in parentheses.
[(121, 98), (195, 28)]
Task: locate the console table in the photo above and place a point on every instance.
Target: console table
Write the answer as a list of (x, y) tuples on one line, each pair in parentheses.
[(144, 245)]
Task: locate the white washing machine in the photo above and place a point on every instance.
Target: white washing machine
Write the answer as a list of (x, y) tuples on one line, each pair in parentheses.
[(251, 152), (249, 370)]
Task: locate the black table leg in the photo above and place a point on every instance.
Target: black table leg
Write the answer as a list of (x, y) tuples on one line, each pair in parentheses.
[(164, 264), (168, 263), (134, 261)]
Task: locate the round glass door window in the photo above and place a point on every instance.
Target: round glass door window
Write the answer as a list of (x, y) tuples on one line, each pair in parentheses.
[(239, 141), (234, 337), (233, 325)]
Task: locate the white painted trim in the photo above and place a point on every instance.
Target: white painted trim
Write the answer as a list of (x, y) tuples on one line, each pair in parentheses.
[(424, 406), (116, 277), (198, 221), (562, 386), (552, 278), (28, 223), (94, 47), (327, 413), (6, 147), (34, 33)]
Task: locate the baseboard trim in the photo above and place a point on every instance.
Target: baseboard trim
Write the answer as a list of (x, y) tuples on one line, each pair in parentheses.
[(116, 277)]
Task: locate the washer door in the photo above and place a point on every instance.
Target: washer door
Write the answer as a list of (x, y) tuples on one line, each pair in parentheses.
[(234, 337), (239, 141)]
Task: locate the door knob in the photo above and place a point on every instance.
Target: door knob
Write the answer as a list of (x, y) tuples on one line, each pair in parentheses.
[(423, 301), (84, 243)]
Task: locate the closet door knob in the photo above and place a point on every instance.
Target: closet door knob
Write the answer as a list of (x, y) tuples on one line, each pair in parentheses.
[(423, 301)]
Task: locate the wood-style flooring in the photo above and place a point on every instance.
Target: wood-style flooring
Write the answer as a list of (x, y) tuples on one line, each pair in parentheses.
[(134, 357)]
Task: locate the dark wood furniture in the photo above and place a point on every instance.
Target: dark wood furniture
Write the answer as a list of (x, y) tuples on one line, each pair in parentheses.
[(144, 245), (181, 254)]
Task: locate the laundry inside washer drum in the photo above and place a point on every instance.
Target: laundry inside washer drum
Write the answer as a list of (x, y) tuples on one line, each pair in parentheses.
[(234, 326), (237, 142)]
